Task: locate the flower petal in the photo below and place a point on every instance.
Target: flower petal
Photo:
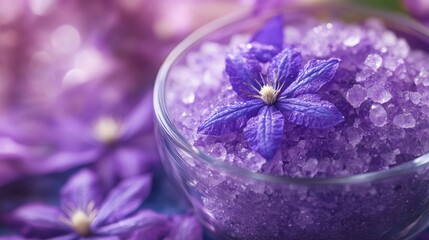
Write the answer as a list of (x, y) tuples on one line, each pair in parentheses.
[(230, 117), (71, 236), (37, 220), (285, 66), (131, 161), (11, 238), (261, 52), (271, 33), (157, 233), (244, 74), (186, 228), (310, 111), (62, 161), (80, 190), (264, 132), (143, 221), (140, 119), (12, 169), (102, 238), (124, 199), (313, 76)]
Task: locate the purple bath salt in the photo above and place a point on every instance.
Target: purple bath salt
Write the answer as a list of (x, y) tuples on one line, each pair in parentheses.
[(376, 87), (381, 87)]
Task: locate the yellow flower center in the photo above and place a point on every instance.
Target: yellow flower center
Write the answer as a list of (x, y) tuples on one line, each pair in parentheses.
[(268, 94), (107, 130), (81, 223), (80, 220)]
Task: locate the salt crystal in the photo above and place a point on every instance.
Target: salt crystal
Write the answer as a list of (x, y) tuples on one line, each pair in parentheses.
[(405, 120), (379, 94), (425, 110), (397, 151), (401, 49), (217, 151), (354, 135), (374, 61), (389, 38), (392, 63), (364, 74), (353, 37), (188, 97), (424, 100), (310, 167), (389, 157), (378, 115), (356, 95), (352, 41), (415, 97), (422, 78)]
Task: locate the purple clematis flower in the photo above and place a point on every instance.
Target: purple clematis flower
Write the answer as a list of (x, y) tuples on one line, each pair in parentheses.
[(85, 215), (122, 147), (418, 8), (283, 92), (118, 143)]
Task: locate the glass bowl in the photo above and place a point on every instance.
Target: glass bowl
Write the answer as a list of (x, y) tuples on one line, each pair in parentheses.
[(235, 203)]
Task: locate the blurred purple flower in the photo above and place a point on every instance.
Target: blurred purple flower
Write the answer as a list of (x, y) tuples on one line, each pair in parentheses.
[(418, 8), (85, 214), (122, 146), (53, 60), (73, 134)]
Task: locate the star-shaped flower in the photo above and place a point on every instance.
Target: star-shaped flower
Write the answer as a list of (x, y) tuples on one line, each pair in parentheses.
[(285, 91), (117, 139), (84, 214)]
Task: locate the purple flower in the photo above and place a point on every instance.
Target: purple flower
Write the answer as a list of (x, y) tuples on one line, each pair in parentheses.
[(283, 92), (85, 215), (418, 8), (117, 142)]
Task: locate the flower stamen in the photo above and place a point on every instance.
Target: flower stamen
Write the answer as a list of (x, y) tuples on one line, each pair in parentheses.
[(268, 94), (269, 91), (107, 130), (80, 219)]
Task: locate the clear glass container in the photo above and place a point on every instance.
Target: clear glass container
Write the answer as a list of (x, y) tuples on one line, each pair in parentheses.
[(235, 203)]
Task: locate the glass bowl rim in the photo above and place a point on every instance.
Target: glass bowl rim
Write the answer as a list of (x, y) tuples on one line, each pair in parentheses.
[(164, 121)]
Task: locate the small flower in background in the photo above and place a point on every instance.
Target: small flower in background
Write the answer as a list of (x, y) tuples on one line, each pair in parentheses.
[(84, 213), (284, 93), (70, 135), (121, 138), (418, 9)]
